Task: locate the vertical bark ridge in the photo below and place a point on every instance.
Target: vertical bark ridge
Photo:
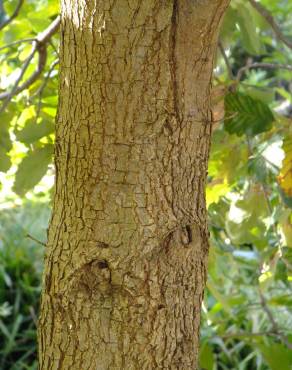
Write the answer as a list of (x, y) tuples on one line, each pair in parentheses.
[(172, 61), (125, 266)]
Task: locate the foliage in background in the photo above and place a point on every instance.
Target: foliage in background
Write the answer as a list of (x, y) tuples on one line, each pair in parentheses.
[(247, 321), (20, 272), (247, 313)]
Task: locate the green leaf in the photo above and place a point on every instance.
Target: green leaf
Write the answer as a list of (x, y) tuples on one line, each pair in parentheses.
[(38, 24), (5, 141), (4, 329), (276, 355), (246, 115), (228, 24), (249, 34), (206, 357), (32, 168), (282, 300), (50, 101), (34, 131), (285, 176), (287, 199), (259, 168), (26, 115), (50, 111), (244, 221), (5, 161), (226, 165), (219, 297), (266, 95)]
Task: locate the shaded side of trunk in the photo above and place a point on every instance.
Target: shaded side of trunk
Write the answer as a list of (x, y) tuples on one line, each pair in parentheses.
[(125, 265)]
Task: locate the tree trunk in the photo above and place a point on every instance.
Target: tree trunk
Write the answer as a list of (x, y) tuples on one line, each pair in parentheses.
[(125, 265)]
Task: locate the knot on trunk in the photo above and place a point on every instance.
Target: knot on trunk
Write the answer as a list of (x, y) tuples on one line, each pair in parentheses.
[(88, 282)]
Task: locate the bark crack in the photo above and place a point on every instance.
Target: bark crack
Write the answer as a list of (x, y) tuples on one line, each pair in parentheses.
[(173, 60)]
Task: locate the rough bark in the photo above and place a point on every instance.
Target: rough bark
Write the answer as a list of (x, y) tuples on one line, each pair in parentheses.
[(125, 265)]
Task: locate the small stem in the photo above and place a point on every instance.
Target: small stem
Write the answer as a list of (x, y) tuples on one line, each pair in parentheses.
[(14, 15), (270, 19), (228, 66), (275, 327), (36, 240), (249, 66)]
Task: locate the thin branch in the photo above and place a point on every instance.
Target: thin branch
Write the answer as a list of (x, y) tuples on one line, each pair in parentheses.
[(39, 46), (246, 334), (249, 66), (45, 36), (226, 118), (275, 327), (33, 315), (35, 240), (270, 208), (17, 42), (228, 66), (274, 225), (270, 19), (42, 87), (42, 51), (7, 96), (14, 15), (54, 48)]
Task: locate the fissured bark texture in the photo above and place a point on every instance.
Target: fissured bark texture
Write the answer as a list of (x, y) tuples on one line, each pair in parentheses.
[(125, 264)]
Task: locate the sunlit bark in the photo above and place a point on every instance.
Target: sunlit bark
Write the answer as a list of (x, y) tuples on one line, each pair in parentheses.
[(125, 265)]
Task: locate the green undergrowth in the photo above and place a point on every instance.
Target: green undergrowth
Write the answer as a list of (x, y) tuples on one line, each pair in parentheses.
[(20, 274)]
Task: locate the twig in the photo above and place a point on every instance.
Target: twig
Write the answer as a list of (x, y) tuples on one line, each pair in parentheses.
[(36, 240), (228, 66), (274, 324), (54, 48), (46, 35), (15, 14), (39, 45), (33, 315), (242, 70), (246, 334), (270, 19), (226, 118), (274, 226), (267, 199), (7, 96), (17, 42), (42, 87)]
